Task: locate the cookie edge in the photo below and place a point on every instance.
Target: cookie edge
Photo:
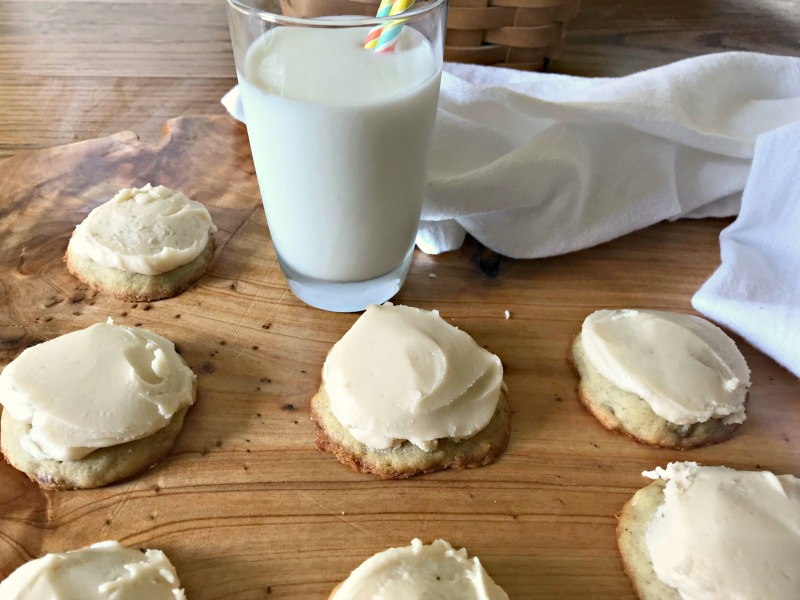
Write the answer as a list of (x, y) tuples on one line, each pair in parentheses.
[(499, 426), (138, 287), (632, 522)]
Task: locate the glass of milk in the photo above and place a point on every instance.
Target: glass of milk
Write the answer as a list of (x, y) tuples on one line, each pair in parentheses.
[(340, 137)]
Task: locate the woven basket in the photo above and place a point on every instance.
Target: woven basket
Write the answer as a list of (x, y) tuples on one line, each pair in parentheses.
[(522, 34)]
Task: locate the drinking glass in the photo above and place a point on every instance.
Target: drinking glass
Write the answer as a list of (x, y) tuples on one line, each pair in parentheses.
[(340, 136)]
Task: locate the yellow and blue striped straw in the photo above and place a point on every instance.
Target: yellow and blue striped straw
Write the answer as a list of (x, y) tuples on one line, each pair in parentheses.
[(383, 38)]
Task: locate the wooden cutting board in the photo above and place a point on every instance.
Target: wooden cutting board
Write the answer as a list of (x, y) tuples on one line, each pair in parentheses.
[(245, 506)]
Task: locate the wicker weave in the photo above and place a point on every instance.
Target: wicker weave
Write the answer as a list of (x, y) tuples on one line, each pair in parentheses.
[(522, 34)]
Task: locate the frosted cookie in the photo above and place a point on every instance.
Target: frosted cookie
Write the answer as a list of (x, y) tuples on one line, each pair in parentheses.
[(93, 406), (712, 533), (101, 571), (404, 393), (143, 244), (666, 379), (420, 571)]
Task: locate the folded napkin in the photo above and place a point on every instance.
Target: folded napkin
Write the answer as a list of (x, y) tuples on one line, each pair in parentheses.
[(756, 290), (537, 164)]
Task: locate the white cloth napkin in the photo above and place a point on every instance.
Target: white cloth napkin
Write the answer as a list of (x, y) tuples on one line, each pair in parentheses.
[(756, 290), (537, 164)]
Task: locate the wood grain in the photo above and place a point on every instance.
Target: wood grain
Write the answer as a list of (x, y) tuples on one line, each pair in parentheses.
[(245, 506), (80, 69), (618, 37)]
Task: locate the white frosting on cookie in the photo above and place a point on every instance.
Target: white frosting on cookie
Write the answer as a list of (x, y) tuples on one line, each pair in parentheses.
[(419, 571), (684, 367), (93, 388), (104, 571), (722, 533), (149, 230), (402, 373)]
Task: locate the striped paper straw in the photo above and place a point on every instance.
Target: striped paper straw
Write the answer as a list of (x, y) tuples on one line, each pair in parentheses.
[(384, 37), (383, 11)]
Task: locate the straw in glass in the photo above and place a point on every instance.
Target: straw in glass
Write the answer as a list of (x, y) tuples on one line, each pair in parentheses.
[(383, 38)]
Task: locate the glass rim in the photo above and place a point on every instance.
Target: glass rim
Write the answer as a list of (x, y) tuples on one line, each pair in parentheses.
[(243, 7)]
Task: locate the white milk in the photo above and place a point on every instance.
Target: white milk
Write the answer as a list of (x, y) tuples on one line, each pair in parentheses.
[(340, 137)]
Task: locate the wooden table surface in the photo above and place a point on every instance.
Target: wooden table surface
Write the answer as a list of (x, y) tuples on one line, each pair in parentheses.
[(245, 506)]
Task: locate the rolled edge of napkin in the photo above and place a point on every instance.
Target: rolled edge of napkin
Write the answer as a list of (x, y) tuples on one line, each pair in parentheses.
[(232, 101), (435, 237)]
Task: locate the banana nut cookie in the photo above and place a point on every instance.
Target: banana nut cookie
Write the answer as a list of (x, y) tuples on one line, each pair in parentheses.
[(665, 379), (98, 572), (712, 532), (434, 570), (93, 406), (143, 244), (403, 392)]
